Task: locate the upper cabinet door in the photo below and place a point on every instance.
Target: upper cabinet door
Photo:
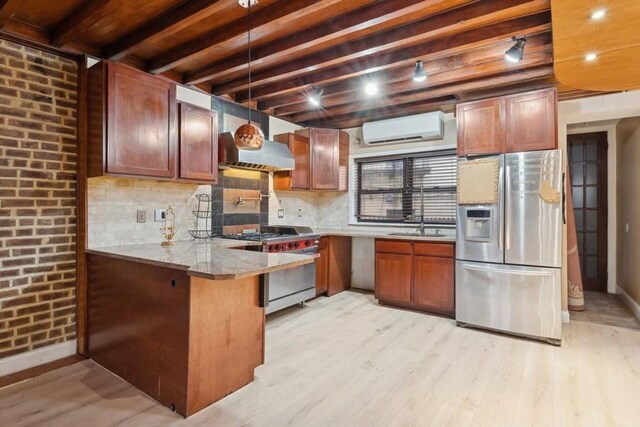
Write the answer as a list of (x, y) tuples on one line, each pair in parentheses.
[(325, 147), (301, 175), (198, 144), (141, 123), (531, 121), (480, 127)]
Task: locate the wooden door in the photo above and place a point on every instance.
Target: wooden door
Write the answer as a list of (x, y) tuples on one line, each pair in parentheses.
[(531, 121), (393, 277), (198, 144), (433, 285), (141, 122), (322, 266), (325, 144), (588, 169), (480, 127)]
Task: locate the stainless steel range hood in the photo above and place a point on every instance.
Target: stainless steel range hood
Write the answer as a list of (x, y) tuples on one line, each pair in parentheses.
[(273, 156)]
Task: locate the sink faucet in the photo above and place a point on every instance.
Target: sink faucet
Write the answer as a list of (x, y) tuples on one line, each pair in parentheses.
[(421, 228)]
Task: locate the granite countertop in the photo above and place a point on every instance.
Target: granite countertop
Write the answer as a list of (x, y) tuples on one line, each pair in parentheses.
[(350, 232), (210, 259)]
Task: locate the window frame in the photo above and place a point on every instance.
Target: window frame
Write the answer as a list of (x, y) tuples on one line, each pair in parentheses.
[(407, 192)]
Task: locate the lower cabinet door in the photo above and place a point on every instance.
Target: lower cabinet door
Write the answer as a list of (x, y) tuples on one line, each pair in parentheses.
[(393, 277), (433, 283), (322, 267)]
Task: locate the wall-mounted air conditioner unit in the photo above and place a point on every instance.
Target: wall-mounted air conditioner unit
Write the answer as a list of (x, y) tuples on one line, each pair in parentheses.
[(421, 127)]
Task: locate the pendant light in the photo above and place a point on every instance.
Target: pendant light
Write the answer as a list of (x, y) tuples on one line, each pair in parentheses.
[(249, 136)]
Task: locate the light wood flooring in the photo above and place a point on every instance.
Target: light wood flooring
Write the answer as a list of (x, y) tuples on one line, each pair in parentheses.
[(606, 309), (346, 361)]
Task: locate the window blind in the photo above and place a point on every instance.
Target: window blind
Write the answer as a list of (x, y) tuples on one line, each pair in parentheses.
[(404, 189)]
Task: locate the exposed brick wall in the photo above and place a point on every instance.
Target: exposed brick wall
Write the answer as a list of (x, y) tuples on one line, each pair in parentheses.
[(37, 198)]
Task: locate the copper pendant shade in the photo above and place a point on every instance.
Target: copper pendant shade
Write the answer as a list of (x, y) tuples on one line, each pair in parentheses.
[(249, 136)]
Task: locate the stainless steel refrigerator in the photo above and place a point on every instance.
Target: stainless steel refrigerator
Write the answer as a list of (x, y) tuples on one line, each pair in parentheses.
[(509, 253)]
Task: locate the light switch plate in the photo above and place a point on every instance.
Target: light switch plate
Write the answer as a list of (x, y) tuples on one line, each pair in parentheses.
[(141, 216), (280, 213), (159, 215)]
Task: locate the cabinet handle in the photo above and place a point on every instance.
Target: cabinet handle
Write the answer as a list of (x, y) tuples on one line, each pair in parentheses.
[(173, 283)]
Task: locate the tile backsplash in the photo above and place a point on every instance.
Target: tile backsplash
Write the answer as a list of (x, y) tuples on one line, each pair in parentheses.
[(113, 203)]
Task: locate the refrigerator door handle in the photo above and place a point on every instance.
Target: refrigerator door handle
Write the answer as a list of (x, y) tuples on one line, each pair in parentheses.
[(506, 235), (564, 200), (505, 271)]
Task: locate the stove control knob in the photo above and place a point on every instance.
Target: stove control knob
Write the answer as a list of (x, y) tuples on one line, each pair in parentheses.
[(284, 247), (276, 248), (295, 244)]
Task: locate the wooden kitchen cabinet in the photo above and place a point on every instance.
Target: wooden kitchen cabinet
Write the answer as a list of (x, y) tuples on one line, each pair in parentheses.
[(433, 284), (198, 144), (416, 274), (393, 277), (322, 157), (132, 123), (333, 266), (300, 177), (480, 127), (521, 122), (531, 121)]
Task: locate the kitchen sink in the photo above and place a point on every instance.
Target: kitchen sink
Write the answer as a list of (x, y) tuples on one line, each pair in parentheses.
[(415, 234)]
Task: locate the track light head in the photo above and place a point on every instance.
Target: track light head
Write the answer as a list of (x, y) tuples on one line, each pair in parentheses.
[(516, 52), (419, 74)]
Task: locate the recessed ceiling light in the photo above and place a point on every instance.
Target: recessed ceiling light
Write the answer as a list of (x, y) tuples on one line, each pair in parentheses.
[(591, 56), (371, 88), (598, 14)]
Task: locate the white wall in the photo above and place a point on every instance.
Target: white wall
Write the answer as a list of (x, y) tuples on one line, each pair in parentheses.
[(610, 127)]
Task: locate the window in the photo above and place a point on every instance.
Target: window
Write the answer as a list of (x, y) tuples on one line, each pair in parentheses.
[(398, 189)]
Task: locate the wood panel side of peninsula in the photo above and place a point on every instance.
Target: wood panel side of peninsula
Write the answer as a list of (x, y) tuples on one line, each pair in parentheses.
[(185, 341)]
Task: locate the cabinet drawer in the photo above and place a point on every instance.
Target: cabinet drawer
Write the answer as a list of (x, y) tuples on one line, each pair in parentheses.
[(434, 249), (393, 246)]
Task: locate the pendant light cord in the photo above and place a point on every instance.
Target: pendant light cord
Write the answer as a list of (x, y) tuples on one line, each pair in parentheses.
[(249, 53)]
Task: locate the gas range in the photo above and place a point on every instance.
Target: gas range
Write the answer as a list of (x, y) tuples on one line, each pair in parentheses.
[(285, 288), (277, 238)]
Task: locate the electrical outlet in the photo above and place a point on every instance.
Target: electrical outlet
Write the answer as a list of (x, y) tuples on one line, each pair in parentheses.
[(280, 213), (141, 216), (159, 215), (299, 213)]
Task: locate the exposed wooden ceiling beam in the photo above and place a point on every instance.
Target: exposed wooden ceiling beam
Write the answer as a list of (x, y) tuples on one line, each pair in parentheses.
[(8, 8), (440, 47), (82, 17), (342, 28), (483, 61), (269, 15), (428, 28), (429, 92), (175, 19)]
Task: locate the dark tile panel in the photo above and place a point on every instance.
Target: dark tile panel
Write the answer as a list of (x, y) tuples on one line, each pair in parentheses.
[(240, 219)]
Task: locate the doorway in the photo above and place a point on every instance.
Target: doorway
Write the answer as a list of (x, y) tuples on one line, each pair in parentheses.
[(588, 169)]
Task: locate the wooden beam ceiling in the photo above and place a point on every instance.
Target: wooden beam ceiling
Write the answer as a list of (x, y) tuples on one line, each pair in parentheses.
[(374, 17), (83, 16), (332, 45), (8, 8), (180, 17), (270, 15), (404, 57)]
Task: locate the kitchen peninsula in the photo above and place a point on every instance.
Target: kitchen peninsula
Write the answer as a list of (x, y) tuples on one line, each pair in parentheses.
[(184, 323)]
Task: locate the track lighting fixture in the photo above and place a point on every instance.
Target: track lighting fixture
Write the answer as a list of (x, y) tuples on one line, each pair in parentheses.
[(516, 52), (419, 74)]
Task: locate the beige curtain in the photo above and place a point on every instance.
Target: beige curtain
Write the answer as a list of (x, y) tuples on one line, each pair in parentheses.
[(576, 294)]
